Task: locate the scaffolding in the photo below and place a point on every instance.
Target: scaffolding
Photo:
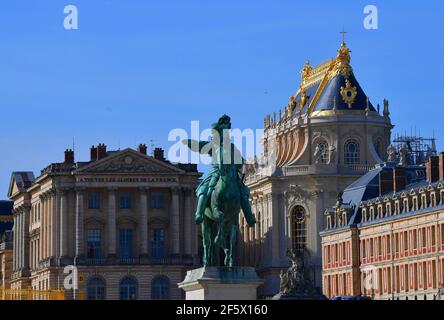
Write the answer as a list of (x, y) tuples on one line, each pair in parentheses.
[(418, 148)]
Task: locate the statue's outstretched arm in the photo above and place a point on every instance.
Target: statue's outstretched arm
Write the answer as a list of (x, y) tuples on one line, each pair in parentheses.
[(198, 146)]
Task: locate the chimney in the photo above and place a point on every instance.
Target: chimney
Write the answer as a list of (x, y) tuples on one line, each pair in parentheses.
[(385, 181), (399, 179), (441, 166), (101, 151), (142, 148), (158, 154), (93, 153), (432, 168), (69, 156)]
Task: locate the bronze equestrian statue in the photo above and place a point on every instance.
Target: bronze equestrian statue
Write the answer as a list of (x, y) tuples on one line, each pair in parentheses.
[(221, 195)]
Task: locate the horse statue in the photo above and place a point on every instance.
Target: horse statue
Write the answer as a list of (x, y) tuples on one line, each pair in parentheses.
[(221, 195)]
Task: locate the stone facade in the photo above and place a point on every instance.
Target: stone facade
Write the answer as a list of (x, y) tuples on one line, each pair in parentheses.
[(124, 219), (319, 144)]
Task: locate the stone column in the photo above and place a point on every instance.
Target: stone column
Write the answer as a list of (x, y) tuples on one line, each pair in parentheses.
[(175, 222), (188, 222), (20, 239), (34, 254), (274, 212), (143, 222), (50, 207), (25, 237), (112, 222), (283, 227), (48, 226), (42, 226), (64, 224), (15, 241), (55, 232), (80, 251)]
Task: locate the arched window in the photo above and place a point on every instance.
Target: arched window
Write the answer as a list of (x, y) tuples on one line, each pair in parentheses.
[(96, 289), (298, 228), (128, 288), (160, 288), (352, 152), (321, 152)]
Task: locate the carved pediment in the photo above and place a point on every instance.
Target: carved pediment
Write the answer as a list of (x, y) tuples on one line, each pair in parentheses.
[(129, 161)]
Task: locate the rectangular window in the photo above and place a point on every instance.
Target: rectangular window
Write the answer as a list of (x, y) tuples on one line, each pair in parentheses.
[(94, 243), (379, 246), (94, 200), (125, 200), (126, 243), (442, 235), (406, 242), (364, 254), (387, 243), (158, 243), (157, 200), (433, 236), (415, 240), (424, 238)]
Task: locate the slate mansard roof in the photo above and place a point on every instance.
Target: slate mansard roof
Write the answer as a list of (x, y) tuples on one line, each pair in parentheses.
[(367, 187)]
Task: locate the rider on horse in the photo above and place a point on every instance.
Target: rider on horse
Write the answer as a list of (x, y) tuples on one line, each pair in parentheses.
[(206, 187)]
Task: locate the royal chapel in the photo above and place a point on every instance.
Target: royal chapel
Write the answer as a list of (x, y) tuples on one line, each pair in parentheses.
[(327, 136)]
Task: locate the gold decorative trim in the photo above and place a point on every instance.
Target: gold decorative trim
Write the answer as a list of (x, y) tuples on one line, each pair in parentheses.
[(330, 113)]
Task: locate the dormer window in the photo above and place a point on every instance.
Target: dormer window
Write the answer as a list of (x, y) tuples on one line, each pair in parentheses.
[(388, 209), (433, 199), (380, 214)]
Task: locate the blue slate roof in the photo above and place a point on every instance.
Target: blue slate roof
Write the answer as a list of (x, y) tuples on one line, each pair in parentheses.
[(5, 210), (311, 92), (367, 186), (332, 92)]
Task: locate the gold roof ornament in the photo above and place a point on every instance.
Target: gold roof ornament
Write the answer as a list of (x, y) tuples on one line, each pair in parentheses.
[(306, 72), (349, 93), (267, 122), (291, 105), (304, 99)]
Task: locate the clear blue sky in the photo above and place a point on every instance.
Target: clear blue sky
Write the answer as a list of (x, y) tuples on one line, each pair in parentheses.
[(137, 68)]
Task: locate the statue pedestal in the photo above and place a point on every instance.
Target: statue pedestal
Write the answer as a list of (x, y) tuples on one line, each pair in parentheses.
[(221, 283)]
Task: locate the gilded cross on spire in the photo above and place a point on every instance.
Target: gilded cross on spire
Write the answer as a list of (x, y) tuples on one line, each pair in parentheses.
[(343, 32)]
